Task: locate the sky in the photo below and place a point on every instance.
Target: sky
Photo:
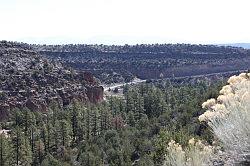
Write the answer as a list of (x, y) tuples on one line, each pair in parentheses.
[(125, 21)]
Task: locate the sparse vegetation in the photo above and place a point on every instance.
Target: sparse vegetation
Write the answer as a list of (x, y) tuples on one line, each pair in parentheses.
[(122, 63)]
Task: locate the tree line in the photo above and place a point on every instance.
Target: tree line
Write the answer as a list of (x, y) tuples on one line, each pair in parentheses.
[(121, 131)]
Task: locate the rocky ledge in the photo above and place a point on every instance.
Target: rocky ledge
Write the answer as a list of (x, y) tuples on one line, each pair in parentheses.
[(28, 80)]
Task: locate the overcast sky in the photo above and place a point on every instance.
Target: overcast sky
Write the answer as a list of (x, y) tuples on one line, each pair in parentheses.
[(125, 21)]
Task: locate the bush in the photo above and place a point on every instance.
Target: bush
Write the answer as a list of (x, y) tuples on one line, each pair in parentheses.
[(229, 117), (195, 154)]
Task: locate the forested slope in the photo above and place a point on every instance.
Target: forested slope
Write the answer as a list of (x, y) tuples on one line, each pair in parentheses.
[(130, 131), (75, 128)]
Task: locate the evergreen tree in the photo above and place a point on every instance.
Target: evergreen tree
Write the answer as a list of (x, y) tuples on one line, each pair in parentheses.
[(21, 153), (88, 124), (75, 120), (39, 152), (5, 149), (50, 161), (64, 132), (95, 123)]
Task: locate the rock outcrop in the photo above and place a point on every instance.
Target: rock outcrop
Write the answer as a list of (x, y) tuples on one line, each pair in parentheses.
[(113, 63), (95, 94), (28, 80)]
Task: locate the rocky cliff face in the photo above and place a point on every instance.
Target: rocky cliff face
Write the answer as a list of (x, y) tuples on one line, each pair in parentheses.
[(121, 63), (28, 80), (95, 94)]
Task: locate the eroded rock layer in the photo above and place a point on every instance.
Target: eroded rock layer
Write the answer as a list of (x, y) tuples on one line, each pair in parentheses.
[(28, 80)]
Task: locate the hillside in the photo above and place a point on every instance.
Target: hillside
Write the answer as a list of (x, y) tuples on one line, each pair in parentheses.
[(122, 63), (134, 128), (27, 79)]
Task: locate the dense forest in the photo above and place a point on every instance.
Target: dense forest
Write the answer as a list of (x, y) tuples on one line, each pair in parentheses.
[(133, 130)]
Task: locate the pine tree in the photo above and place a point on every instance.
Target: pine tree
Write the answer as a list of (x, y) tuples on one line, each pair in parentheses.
[(95, 123), (28, 120), (50, 161), (74, 120), (81, 129), (105, 118), (5, 149), (129, 101), (131, 119), (139, 106), (64, 132), (21, 153), (88, 124), (39, 152)]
